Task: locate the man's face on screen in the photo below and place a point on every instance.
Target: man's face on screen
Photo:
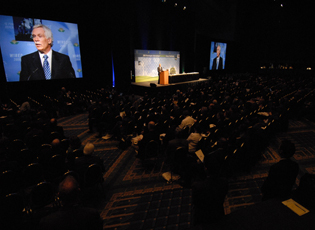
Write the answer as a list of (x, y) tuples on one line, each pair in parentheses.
[(41, 42), (218, 51)]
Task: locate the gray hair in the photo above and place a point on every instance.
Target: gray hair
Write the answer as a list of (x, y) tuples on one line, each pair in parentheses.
[(47, 30)]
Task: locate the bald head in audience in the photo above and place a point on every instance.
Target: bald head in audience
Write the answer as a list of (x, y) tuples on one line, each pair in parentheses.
[(151, 125), (69, 191)]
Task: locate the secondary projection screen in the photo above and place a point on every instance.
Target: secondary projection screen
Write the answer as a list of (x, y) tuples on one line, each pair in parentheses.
[(147, 61), (16, 41), (217, 55)]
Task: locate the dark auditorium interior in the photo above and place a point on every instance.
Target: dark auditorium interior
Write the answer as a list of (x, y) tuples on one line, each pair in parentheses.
[(151, 169)]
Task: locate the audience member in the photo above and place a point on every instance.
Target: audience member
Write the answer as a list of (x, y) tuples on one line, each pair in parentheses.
[(57, 148), (74, 143), (36, 128), (82, 163), (71, 215), (25, 107), (178, 141), (54, 127), (148, 135), (194, 138), (95, 115), (188, 121), (282, 175), (74, 150), (208, 195)]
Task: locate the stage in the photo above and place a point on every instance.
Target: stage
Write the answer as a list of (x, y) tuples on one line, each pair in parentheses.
[(154, 87)]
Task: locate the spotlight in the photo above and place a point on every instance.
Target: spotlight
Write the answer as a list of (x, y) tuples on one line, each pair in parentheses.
[(184, 8), (175, 4)]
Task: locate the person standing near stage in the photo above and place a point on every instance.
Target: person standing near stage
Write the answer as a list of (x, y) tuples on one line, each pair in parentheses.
[(159, 69)]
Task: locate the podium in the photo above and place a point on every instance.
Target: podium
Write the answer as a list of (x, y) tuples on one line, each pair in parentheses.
[(164, 77)]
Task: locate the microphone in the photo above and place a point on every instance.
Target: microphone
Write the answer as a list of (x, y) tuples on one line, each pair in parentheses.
[(32, 74), (71, 75)]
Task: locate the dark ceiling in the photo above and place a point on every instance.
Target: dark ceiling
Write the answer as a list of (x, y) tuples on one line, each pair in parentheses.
[(263, 30)]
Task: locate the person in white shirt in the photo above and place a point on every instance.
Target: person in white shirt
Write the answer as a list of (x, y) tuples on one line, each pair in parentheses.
[(194, 138), (188, 121)]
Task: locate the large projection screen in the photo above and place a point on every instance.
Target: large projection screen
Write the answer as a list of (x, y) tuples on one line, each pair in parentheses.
[(147, 61), (217, 55), (16, 41)]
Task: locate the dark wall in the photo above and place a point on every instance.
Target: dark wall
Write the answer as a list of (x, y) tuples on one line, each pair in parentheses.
[(111, 30)]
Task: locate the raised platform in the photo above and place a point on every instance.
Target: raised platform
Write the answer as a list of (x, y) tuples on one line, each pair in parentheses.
[(154, 87)]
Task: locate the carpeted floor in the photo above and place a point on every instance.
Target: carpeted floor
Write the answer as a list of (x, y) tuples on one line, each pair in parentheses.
[(137, 198)]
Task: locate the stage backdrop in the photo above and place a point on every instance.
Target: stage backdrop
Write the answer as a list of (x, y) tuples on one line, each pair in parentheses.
[(147, 62), (16, 41)]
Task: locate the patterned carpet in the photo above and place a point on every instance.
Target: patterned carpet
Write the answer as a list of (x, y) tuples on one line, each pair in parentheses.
[(139, 198)]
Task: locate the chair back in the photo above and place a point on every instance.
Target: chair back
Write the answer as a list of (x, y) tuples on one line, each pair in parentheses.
[(14, 148), (33, 174), (18, 144), (11, 210), (56, 167), (65, 144), (9, 182), (42, 194), (35, 141), (45, 153), (26, 156), (152, 149), (179, 160), (93, 176)]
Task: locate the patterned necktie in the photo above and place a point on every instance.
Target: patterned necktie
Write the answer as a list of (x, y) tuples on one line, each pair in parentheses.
[(46, 68), (218, 60)]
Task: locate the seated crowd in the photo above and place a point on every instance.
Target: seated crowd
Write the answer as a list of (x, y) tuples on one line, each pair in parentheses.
[(230, 119), (35, 158)]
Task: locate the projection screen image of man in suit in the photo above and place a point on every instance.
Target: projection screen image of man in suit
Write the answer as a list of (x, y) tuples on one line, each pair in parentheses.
[(218, 61), (217, 56), (45, 63)]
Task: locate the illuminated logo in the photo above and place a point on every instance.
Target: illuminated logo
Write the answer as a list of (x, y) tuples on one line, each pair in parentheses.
[(79, 70), (61, 30), (76, 44), (14, 42)]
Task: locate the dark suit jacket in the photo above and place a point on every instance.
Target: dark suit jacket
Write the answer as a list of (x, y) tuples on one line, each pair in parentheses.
[(208, 197), (159, 69), (147, 137), (280, 180), (32, 68), (72, 218), (173, 145), (83, 162), (214, 65)]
